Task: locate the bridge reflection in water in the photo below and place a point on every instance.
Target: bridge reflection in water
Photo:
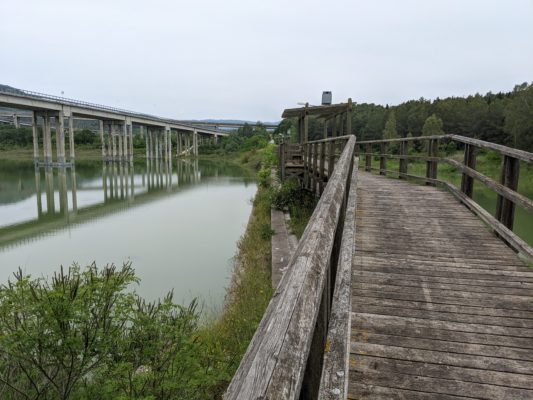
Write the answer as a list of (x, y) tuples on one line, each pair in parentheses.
[(61, 200)]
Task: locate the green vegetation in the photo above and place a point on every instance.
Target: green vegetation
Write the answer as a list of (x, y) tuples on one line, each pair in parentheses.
[(300, 204)]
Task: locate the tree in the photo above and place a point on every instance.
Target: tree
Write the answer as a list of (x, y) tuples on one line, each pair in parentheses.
[(432, 126), (55, 333), (519, 117), (390, 127)]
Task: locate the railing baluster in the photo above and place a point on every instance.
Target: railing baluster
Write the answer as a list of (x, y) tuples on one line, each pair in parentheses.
[(331, 158), (509, 177), (322, 167), (368, 158), (383, 159), (431, 166), (467, 182), (403, 161)]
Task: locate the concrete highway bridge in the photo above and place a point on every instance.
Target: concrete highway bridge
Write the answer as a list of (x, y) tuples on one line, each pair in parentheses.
[(402, 286), (115, 128)]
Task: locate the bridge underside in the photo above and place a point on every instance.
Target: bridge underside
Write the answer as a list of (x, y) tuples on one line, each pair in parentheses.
[(441, 307)]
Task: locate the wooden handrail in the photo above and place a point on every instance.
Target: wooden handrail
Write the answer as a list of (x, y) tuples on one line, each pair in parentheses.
[(506, 189), (284, 358)]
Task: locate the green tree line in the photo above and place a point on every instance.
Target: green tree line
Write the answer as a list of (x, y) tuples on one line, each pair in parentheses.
[(505, 118)]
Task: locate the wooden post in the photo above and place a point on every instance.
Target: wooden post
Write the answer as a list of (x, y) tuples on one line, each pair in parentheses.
[(322, 172), (305, 155), (349, 117), (467, 182), (403, 161), (331, 158), (309, 149), (431, 166), (383, 158), (315, 168), (334, 126), (282, 160), (325, 128), (306, 124), (368, 157), (509, 178)]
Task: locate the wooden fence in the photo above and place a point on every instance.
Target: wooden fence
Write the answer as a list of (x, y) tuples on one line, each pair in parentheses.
[(285, 359), (506, 189)]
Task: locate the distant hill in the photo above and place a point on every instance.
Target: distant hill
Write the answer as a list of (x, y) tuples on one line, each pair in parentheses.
[(233, 121), (10, 89)]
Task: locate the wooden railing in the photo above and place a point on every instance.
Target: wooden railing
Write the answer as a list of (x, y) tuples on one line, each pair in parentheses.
[(286, 359), (506, 189)]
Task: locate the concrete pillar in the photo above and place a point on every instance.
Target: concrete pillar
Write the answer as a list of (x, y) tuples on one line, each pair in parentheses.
[(168, 137), (114, 142), (35, 136), (165, 144), (101, 129), (60, 137), (16, 121), (195, 143), (120, 148), (130, 141), (47, 139), (156, 150), (71, 138), (150, 136)]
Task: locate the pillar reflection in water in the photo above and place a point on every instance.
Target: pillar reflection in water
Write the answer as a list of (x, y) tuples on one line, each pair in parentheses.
[(49, 186), (118, 181)]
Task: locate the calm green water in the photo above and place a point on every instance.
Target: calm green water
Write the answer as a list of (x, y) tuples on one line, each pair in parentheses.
[(178, 223)]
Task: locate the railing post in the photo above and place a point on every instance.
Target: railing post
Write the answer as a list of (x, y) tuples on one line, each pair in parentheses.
[(431, 166), (509, 178), (321, 172), (383, 159), (315, 168), (403, 161), (368, 157), (331, 158), (282, 147), (306, 165), (467, 182), (308, 148)]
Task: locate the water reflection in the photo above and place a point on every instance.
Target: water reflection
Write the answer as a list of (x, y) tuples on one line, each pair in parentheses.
[(178, 223), (120, 185)]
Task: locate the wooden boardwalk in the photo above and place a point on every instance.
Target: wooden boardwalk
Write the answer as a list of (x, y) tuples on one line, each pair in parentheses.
[(441, 307)]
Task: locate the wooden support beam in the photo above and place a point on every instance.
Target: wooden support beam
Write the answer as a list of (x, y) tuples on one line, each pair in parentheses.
[(368, 157), (467, 182), (403, 161), (510, 172), (383, 159)]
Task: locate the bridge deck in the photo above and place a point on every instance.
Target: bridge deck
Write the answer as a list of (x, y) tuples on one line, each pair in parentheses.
[(441, 308)]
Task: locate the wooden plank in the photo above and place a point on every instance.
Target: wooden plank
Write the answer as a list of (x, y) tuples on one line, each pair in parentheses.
[(441, 308), (369, 363), (442, 357), (421, 328), (335, 372), (438, 386)]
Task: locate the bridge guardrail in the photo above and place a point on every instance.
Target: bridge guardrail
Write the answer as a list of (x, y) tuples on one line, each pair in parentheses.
[(285, 357), (506, 189), (97, 107)]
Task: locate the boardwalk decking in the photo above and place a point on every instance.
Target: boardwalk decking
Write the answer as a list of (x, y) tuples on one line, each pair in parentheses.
[(441, 308)]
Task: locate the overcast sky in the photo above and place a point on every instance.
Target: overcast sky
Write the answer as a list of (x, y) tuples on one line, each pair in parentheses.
[(248, 59)]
